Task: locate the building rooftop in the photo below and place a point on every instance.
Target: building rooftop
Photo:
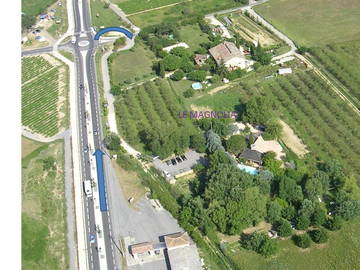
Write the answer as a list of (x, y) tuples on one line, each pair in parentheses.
[(178, 239), (185, 258), (141, 248), (266, 146), (251, 155), (224, 52)]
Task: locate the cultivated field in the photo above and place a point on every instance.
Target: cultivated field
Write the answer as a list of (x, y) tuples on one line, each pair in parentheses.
[(43, 217), (342, 61), (43, 95), (314, 22), (152, 105), (131, 65)]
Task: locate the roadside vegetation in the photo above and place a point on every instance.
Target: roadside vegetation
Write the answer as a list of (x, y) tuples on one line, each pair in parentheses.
[(43, 95), (43, 215)]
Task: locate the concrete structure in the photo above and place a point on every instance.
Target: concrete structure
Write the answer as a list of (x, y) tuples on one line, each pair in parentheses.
[(181, 44), (179, 166), (284, 71), (263, 146), (228, 54), (177, 249)]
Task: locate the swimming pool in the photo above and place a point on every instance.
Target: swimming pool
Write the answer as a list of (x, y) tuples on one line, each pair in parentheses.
[(248, 169), (196, 86)]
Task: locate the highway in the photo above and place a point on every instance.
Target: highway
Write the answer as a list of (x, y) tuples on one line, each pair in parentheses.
[(101, 253)]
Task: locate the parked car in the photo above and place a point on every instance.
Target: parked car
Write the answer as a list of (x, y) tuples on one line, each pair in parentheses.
[(183, 157), (178, 159), (168, 162), (173, 161)]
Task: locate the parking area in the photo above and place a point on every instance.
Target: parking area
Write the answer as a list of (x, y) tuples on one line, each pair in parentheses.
[(179, 165)]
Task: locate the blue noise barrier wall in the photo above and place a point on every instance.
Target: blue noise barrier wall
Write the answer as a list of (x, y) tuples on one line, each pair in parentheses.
[(127, 33)]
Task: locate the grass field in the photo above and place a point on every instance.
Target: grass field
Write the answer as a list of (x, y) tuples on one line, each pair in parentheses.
[(35, 7), (43, 95), (106, 16), (314, 22), (192, 36), (181, 11), (57, 29), (131, 65), (43, 215), (340, 252), (131, 6), (28, 146)]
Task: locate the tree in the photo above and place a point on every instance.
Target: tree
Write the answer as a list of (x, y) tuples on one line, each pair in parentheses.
[(197, 75), (268, 247), (244, 2), (288, 213), (334, 224), (302, 222), (313, 188), (273, 130), (112, 142), (27, 21), (289, 190), (273, 211), (318, 218), (302, 240), (319, 236), (260, 55), (258, 110), (198, 142), (302, 50), (161, 69), (186, 65), (235, 144), (348, 209), (119, 43), (171, 62), (181, 52), (178, 75), (213, 142), (115, 90), (214, 79), (283, 227), (189, 93), (271, 163), (49, 164)]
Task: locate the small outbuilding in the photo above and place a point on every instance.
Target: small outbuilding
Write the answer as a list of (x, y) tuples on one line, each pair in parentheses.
[(284, 71)]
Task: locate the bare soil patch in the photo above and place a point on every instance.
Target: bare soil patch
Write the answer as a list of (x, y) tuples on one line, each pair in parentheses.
[(292, 140)]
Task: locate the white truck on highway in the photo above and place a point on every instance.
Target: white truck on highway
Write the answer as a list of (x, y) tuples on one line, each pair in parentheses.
[(87, 188)]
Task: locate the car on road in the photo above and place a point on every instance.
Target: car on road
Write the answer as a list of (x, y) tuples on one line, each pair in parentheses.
[(87, 188), (86, 149), (96, 132), (81, 86), (73, 39), (92, 239)]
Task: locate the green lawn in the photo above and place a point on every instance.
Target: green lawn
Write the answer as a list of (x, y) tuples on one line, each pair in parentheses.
[(35, 7), (43, 210), (106, 16), (182, 11), (342, 251), (131, 64), (314, 22), (193, 36), (131, 6)]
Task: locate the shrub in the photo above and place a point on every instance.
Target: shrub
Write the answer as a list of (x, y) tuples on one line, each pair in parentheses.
[(302, 240), (216, 78), (178, 75), (319, 236), (283, 227), (260, 243), (197, 75), (302, 222), (334, 224), (189, 93), (112, 142)]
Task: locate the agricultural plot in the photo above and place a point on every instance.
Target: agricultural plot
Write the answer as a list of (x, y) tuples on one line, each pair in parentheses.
[(43, 95), (314, 22), (326, 124), (43, 217), (342, 61), (132, 6), (152, 106)]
